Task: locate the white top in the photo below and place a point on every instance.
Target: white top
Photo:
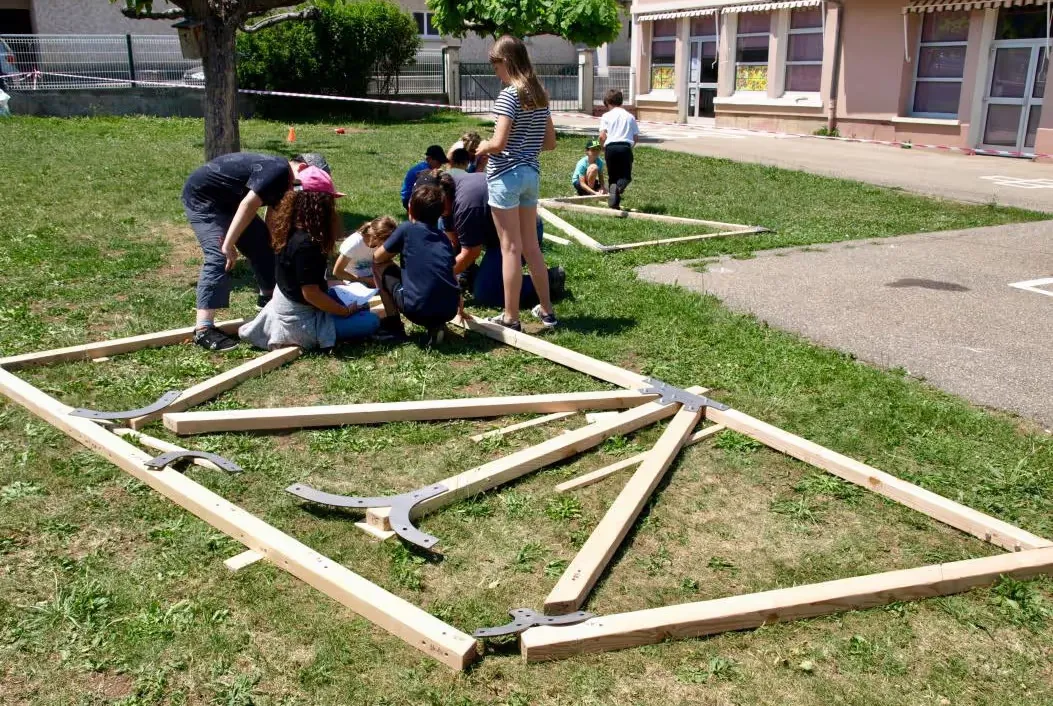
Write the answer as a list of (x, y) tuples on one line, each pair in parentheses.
[(620, 126), (361, 257)]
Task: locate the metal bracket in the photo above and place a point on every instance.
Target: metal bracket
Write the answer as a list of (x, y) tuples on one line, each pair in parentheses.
[(162, 402), (401, 507), (524, 618), (667, 394), (167, 459)]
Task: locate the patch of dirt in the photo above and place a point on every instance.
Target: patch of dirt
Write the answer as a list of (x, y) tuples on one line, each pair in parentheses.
[(185, 253), (110, 685)]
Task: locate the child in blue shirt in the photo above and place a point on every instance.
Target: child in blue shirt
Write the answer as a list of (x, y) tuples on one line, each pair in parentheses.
[(587, 179), (434, 158)]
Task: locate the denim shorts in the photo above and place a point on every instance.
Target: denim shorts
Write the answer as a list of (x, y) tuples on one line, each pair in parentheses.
[(515, 188)]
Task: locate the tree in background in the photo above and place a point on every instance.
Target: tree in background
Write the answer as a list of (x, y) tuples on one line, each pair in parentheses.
[(589, 22), (339, 53), (221, 20)]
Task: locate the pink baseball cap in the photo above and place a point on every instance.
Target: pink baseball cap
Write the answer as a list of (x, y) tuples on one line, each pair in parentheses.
[(314, 179)]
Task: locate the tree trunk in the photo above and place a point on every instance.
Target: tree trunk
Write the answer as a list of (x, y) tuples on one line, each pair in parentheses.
[(221, 88)]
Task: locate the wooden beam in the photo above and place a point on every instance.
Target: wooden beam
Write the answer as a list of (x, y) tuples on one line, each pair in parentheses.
[(935, 506), (557, 354), (240, 561), (399, 617), (685, 239), (636, 215), (578, 235), (555, 239), (537, 421), (585, 570), (184, 423), (647, 627), (502, 470), (163, 446), (596, 476), (104, 349), (591, 417), (213, 387)]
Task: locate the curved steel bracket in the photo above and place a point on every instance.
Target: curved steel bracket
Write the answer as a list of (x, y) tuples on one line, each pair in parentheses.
[(162, 402), (167, 459), (401, 507), (524, 619)]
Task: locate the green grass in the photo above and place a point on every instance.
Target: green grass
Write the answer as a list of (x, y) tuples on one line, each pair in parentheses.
[(111, 594)]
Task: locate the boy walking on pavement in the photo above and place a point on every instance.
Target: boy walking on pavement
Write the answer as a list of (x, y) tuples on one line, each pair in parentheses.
[(221, 200), (618, 134)]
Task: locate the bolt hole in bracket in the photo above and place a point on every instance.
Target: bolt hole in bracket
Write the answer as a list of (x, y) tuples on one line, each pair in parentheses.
[(162, 402), (668, 394), (167, 459), (524, 619), (401, 507)]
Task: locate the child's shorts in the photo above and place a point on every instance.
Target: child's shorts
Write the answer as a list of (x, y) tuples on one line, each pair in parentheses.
[(392, 284), (518, 187)]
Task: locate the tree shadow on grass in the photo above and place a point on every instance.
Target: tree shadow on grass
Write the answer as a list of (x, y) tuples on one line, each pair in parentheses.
[(605, 326)]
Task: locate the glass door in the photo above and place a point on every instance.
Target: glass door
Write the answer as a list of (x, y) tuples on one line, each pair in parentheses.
[(702, 77), (1017, 86)]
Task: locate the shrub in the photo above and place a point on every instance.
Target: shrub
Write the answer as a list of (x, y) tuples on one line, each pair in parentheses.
[(336, 54)]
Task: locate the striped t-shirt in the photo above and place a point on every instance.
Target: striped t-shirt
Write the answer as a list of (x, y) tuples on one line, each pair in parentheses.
[(525, 139)]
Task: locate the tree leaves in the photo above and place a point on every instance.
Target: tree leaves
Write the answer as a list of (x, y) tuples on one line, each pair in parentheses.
[(590, 22)]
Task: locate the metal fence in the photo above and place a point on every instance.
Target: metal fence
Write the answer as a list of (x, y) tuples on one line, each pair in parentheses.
[(608, 77), (479, 86), (425, 74)]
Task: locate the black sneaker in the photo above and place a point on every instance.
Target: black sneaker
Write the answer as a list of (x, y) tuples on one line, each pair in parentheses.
[(391, 329), (547, 320), (263, 300), (436, 336), (212, 339), (500, 321), (557, 282), (614, 198)]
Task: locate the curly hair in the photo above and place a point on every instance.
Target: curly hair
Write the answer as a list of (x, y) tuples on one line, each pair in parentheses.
[(376, 231), (471, 141), (309, 211)]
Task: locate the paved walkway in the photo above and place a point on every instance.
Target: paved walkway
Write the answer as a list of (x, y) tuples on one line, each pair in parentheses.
[(938, 304), (974, 179)]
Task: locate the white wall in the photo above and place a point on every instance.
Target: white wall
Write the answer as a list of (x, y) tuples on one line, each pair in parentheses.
[(94, 17)]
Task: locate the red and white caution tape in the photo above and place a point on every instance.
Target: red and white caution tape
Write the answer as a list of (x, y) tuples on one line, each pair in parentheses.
[(862, 140)]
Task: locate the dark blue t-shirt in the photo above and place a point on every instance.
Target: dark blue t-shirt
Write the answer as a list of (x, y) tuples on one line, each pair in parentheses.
[(429, 288), (471, 219), (410, 180), (220, 185)]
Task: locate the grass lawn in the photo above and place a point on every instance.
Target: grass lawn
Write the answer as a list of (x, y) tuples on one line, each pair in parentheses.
[(111, 594)]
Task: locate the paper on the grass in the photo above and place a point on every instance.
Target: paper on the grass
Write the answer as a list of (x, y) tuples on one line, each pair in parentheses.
[(353, 293)]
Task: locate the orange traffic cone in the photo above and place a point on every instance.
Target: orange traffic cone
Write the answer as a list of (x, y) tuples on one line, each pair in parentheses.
[(292, 134)]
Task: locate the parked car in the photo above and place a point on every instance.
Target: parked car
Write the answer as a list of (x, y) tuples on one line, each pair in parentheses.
[(194, 77), (7, 63)]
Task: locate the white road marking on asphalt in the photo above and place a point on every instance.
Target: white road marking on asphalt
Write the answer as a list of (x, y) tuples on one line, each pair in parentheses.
[(1033, 285), (1018, 183)]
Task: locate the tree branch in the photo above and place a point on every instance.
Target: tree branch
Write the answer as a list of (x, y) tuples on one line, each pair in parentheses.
[(135, 14), (310, 13)]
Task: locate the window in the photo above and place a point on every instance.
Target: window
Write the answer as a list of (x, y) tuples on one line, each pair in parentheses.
[(751, 51), (940, 65), (424, 28), (804, 52), (663, 54)]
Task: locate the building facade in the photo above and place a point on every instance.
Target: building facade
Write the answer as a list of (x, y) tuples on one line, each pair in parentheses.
[(967, 73), (76, 17)]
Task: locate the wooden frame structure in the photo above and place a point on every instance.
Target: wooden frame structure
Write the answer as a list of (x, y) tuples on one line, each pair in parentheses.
[(1028, 555), (579, 204)]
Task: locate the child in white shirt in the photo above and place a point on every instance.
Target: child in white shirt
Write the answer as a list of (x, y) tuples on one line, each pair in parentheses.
[(618, 133), (355, 261)]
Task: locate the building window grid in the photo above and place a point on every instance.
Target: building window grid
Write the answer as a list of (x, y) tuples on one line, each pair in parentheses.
[(753, 80), (424, 26), (663, 55), (789, 62), (922, 45)]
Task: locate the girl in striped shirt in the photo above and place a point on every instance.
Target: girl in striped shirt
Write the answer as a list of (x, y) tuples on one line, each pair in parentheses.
[(524, 128)]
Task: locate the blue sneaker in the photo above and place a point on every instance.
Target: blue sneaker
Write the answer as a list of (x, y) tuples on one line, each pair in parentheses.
[(500, 321), (547, 320)]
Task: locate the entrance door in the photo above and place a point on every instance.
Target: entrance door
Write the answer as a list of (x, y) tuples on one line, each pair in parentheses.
[(702, 77), (1017, 86)]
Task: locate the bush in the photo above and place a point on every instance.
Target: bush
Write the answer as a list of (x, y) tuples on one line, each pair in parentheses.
[(337, 54)]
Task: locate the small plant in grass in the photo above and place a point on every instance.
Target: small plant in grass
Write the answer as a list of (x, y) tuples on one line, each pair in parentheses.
[(236, 691), (716, 669), (406, 567), (1021, 602), (621, 446), (490, 444), (556, 567), (825, 131), (797, 509), (578, 537), (527, 556), (657, 563), (474, 507), (830, 486), (563, 508), (734, 442), (719, 563), (689, 585), (517, 505), (7, 544), (18, 490)]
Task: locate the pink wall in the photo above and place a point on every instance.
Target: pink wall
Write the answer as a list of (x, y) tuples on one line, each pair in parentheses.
[(871, 68)]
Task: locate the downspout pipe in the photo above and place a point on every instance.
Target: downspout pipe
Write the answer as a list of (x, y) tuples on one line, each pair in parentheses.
[(831, 118)]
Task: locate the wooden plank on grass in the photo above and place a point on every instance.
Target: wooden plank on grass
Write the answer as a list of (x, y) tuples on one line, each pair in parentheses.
[(578, 235), (935, 506), (502, 470), (677, 622), (240, 561), (213, 387), (584, 571), (537, 421), (184, 423), (163, 446), (399, 617), (685, 239), (636, 215), (596, 476), (104, 349), (557, 354)]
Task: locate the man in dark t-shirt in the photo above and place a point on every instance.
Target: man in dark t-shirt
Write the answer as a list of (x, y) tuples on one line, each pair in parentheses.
[(424, 288), (221, 200), (471, 225)]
